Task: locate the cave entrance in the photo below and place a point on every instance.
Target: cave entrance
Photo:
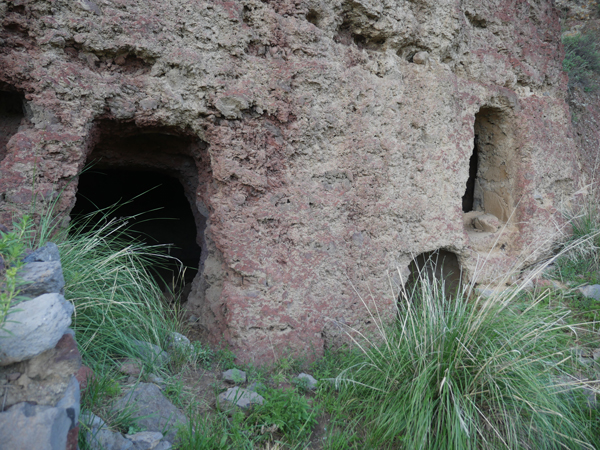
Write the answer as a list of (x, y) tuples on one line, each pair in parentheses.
[(491, 166), (157, 175), (440, 268), (157, 210), (11, 114)]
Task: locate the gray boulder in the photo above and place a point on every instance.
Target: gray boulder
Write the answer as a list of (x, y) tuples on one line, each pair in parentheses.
[(150, 353), (25, 427), (104, 439), (42, 278), (92, 421), (153, 410), (33, 327), (99, 437), (177, 341), (306, 381), (591, 291), (146, 440), (242, 398), (47, 253), (235, 376)]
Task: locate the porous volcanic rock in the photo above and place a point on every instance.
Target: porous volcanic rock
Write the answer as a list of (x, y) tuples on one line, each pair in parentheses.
[(316, 154)]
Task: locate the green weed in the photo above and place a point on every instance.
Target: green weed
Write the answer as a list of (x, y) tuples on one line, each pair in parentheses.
[(284, 411), (12, 248)]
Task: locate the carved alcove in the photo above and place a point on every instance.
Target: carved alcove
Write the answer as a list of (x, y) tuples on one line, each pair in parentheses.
[(153, 174), (488, 203)]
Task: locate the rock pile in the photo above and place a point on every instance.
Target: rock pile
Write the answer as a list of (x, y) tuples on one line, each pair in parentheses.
[(39, 361)]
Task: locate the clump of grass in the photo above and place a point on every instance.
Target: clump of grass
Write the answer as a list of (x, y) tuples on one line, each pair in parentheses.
[(116, 299), (285, 412), (582, 60), (454, 373)]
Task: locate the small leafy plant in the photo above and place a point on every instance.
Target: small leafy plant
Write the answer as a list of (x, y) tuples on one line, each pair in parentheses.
[(12, 247), (284, 411)]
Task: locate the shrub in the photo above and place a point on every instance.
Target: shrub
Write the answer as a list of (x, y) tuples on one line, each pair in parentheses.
[(582, 59), (453, 373)]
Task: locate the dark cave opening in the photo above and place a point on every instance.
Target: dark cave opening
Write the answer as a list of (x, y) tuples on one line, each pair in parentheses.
[(441, 267), (468, 200), (163, 214), (11, 114)]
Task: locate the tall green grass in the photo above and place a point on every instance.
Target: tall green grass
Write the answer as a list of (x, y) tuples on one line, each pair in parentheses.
[(116, 298), (465, 373)]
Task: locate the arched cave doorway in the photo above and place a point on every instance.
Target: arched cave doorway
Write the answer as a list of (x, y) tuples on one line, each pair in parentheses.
[(155, 174), (439, 267), (491, 166), (156, 206), (11, 114)]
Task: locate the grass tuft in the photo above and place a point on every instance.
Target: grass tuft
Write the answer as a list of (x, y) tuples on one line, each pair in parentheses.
[(460, 373)]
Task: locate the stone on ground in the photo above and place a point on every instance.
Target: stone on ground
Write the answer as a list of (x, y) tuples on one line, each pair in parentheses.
[(177, 341), (33, 327), (242, 398), (235, 376), (591, 291), (153, 410), (151, 353), (145, 440), (307, 381), (105, 439), (131, 367)]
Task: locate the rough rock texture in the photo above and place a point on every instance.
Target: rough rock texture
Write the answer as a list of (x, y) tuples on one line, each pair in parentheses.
[(42, 278), (26, 426), (45, 378), (47, 253), (237, 396), (34, 327), (317, 150), (152, 409)]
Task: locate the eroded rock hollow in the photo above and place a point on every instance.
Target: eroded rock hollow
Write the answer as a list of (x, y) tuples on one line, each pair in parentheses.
[(318, 146)]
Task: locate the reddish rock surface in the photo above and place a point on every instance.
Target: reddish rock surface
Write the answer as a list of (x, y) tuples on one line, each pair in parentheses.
[(72, 438), (316, 154), (84, 375)]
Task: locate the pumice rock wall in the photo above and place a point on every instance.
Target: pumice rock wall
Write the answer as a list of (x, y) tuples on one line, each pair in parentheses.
[(319, 144)]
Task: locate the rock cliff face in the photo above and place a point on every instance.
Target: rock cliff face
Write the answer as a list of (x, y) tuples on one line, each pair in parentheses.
[(320, 144)]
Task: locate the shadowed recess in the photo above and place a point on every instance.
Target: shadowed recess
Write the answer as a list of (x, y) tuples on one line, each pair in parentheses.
[(439, 266), (163, 212), (468, 199), (11, 114)]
